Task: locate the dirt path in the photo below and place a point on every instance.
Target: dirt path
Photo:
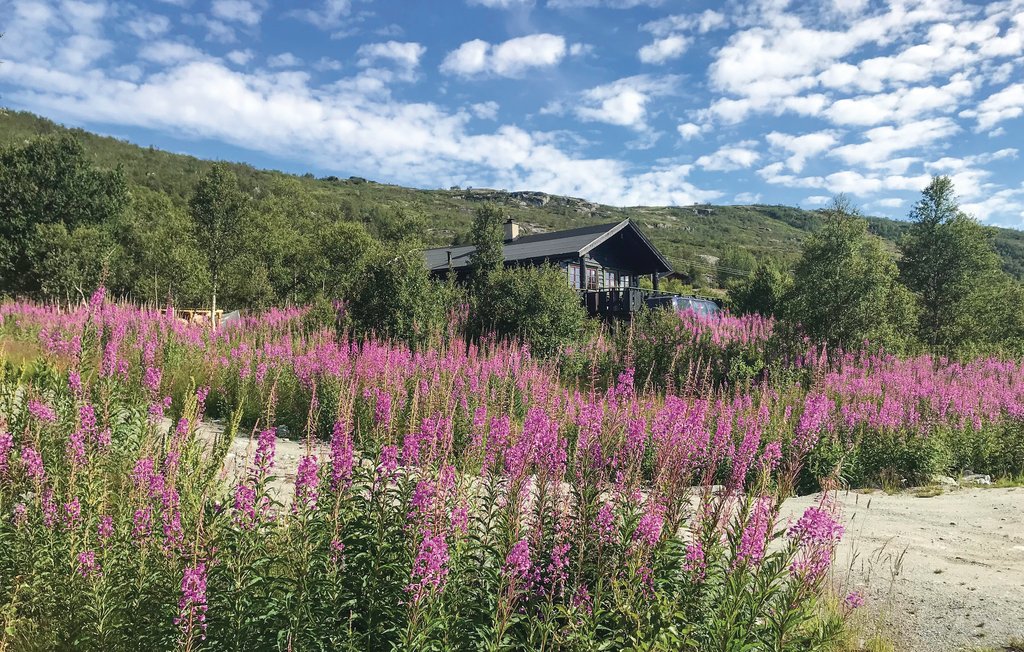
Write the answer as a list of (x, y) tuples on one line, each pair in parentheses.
[(941, 573)]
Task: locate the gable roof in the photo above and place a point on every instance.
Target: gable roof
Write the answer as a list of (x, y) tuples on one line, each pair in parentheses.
[(555, 245)]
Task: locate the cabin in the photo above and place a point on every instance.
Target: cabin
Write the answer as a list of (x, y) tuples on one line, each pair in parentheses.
[(605, 262)]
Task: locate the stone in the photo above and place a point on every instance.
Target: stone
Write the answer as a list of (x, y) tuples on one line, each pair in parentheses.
[(977, 478), (944, 480)]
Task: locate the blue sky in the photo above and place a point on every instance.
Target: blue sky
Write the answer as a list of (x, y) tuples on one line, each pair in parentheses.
[(625, 102)]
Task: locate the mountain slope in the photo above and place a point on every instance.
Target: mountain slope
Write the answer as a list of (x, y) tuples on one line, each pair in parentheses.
[(689, 236)]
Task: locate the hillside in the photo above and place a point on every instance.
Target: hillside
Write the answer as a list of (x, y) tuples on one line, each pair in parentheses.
[(690, 236)]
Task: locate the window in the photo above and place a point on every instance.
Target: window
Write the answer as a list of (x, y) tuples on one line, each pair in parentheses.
[(574, 276), (609, 279), (591, 278), (624, 281)]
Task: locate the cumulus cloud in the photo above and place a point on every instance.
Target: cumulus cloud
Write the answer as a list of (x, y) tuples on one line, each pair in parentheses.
[(689, 130), (729, 158), (802, 147), (701, 23), (284, 60), (661, 50), (501, 4), (148, 26), (508, 59), (238, 11), (882, 142), (624, 101), (1003, 105), (329, 15), (406, 55)]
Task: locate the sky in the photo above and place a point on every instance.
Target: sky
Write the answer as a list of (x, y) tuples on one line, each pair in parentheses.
[(624, 102)]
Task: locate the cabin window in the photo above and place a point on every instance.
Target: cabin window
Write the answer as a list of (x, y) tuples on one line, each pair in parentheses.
[(574, 276), (591, 278), (609, 279), (624, 280)]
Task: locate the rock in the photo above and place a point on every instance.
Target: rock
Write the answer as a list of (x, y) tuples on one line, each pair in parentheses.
[(977, 478), (944, 480)]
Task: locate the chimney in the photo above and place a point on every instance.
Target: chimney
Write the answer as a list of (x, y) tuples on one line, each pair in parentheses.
[(511, 230)]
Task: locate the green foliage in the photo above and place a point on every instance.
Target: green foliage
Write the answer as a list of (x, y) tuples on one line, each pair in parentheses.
[(49, 182), (532, 304), (763, 293), (949, 263), (845, 289), (395, 298), (488, 236), (218, 208)]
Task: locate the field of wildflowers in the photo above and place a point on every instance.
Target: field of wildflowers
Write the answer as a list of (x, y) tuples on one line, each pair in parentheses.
[(473, 497)]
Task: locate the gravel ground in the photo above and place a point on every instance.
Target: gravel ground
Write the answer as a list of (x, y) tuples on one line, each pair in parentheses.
[(944, 573)]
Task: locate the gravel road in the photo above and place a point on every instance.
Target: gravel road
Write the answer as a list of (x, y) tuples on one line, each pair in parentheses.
[(941, 573)]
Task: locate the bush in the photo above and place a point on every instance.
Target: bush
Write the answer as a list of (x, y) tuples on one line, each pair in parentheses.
[(530, 304)]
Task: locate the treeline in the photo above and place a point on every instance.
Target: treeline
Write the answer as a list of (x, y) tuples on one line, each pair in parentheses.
[(69, 227), (943, 290)]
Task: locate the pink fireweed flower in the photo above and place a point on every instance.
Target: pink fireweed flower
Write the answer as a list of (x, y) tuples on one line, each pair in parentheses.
[(75, 382), (245, 506), (816, 417), (387, 466), (49, 509), (816, 533), (192, 605), (151, 379), (87, 564), (556, 573), (41, 411), (517, 562), (142, 523), (755, 532), (342, 457), (306, 482), (105, 528), (157, 409), (337, 551), (648, 530), (430, 568), (695, 560), (32, 462), (605, 524), (266, 445), (770, 456), (6, 446), (72, 513), (854, 600), (582, 600), (20, 515)]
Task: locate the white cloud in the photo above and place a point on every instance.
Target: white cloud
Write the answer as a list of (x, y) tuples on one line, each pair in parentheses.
[(817, 200), (883, 142), (661, 50), (501, 4), (238, 11), (240, 57), (611, 4), (284, 60), (888, 202), (624, 101), (406, 55), (485, 110), (1003, 105), (148, 26), (747, 198), (902, 105), (731, 157), (329, 16), (802, 147), (689, 130), (508, 59), (170, 52), (702, 23)]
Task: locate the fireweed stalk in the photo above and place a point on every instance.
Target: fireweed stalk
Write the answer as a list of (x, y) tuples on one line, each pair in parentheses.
[(473, 495)]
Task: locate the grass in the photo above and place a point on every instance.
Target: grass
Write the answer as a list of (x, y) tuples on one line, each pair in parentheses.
[(19, 352), (929, 491)]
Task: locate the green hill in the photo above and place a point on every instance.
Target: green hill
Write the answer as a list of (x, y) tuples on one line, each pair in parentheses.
[(692, 237)]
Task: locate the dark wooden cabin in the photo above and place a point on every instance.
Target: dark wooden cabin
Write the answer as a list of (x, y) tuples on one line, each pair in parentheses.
[(604, 262)]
